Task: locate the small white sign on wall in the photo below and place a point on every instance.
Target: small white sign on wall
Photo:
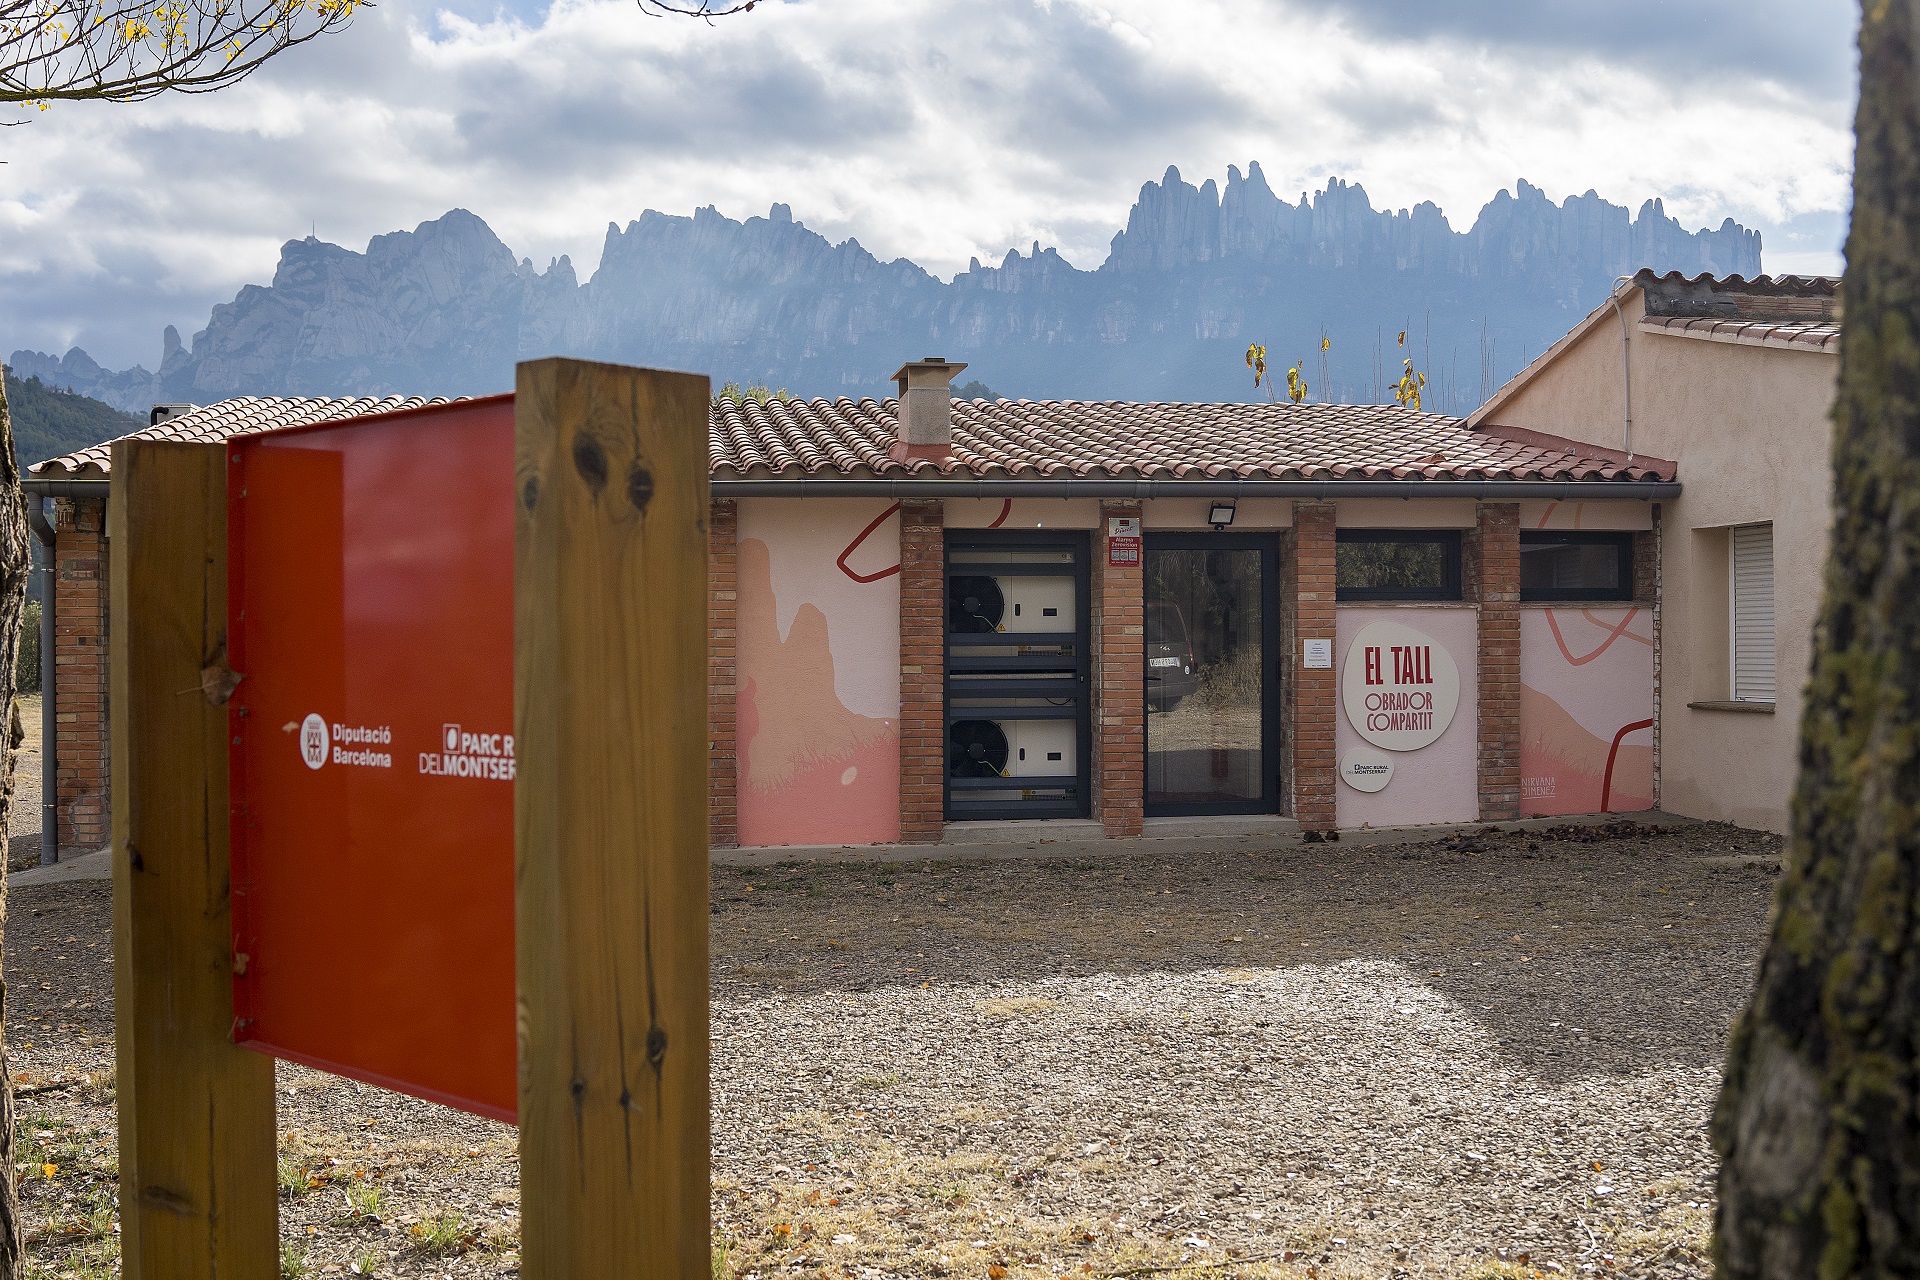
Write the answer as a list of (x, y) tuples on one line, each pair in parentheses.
[(1365, 769), (1400, 687), (1317, 655)]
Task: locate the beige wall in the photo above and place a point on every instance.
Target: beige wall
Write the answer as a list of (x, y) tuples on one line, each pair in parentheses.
[(1748, 426)]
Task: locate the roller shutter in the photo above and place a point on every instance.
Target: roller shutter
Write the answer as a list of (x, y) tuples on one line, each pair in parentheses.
[(1753, 613)]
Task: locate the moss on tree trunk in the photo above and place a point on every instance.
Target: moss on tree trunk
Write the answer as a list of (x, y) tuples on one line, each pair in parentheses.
[(1817, 1125), (14, 566)]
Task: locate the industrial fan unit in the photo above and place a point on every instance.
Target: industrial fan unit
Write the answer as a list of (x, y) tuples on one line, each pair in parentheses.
[(978, 603), (1012, 749)]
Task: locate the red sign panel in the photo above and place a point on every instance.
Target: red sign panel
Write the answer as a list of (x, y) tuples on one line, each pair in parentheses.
[(371, 618)]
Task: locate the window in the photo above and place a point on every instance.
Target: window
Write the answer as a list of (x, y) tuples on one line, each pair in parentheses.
[(1576, 566), (1397, 564), (1752, 579)]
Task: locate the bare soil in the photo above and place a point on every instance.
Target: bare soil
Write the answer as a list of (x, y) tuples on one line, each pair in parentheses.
[(1482, 1056)]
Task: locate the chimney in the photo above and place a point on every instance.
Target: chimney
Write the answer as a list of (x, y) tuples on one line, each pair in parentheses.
[(925, 428)]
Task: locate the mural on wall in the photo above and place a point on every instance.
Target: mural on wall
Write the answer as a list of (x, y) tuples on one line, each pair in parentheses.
[(818, 695), (1407, 736), (1586, 710)]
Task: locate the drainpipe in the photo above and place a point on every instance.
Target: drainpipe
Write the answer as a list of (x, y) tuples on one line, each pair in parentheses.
[(49, 758), (38, 491), (1626, 364)]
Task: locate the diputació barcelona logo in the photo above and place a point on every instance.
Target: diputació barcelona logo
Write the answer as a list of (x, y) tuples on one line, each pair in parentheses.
[(313, 741)]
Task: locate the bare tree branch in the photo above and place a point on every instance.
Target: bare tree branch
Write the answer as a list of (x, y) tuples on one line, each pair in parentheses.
[(128, 50), (707, 9)]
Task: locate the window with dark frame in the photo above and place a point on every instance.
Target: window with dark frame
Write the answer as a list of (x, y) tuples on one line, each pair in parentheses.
[(1574, 565), (1396, 564)]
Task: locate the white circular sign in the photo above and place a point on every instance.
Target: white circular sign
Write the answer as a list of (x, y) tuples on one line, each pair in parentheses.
[(313, 741), (1400, 687), (1365, 769)]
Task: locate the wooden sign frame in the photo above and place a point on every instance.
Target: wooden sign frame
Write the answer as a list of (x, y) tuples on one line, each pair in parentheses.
[(610, 845)]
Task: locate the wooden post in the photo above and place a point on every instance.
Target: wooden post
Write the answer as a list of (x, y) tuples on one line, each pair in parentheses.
[(197, 1188), (610, 821)]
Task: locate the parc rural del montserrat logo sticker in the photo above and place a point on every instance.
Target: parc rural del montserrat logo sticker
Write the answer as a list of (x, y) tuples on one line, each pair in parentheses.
[(466, 754)]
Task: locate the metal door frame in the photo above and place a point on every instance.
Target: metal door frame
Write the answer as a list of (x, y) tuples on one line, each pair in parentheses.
[(1272, 652)]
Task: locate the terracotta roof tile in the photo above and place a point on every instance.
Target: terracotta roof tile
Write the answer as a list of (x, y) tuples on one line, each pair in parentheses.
[(1812, 335), (1106, 439), (228, 418), (1036, 439)]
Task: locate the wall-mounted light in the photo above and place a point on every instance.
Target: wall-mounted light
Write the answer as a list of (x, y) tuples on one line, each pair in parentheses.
[(1220, 515)]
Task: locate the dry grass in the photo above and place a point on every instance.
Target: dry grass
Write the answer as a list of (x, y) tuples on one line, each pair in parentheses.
[(913, 1166)]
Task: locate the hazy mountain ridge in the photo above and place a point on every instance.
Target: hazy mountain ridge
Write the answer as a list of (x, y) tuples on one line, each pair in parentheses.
[(1196, 274), (48, 422)]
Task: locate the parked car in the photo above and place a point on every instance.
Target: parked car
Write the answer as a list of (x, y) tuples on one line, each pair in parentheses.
[(1170, 677)]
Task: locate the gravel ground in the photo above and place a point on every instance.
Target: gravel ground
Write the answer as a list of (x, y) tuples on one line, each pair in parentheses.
[(23, 831), (1483, 1056)]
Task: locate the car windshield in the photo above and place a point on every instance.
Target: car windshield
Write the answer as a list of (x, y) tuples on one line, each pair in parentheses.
[(1165, 625)]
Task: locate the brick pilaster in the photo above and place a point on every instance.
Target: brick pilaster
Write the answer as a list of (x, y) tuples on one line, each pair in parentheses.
[(923, 634), (1496, 585), (1314, 693), (723, 578), (1119, 685), (1646, 563), (80, 672)]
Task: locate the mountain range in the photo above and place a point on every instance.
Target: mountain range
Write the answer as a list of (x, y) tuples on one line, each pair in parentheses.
[(1196, 275)]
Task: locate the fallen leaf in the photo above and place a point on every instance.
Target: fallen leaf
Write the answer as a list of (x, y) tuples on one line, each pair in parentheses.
[(997, 1271)]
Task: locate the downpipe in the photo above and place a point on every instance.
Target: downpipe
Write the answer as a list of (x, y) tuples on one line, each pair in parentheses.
[(49, 758)]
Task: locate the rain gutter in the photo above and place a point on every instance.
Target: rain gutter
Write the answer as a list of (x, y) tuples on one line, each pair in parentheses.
[(1313, 490)]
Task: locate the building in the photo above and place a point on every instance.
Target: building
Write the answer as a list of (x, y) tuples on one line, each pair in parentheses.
[(1733, 380), (927, 611)]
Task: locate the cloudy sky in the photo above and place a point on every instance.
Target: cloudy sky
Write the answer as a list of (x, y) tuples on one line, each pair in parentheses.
[(932, 129)]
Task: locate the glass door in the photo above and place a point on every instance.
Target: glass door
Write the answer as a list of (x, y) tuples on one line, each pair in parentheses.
[(1212, 641)]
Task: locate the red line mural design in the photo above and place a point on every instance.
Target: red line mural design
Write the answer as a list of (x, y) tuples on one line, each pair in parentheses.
[(1606, 784), (861, 537), (1619, 630), (1578, 707), (813, 769)]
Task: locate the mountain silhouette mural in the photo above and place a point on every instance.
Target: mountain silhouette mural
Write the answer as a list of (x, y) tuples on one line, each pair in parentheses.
[(1196, 275)]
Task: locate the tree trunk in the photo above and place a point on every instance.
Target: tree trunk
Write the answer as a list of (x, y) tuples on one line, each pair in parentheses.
[(1817, 1127), (15, 563)]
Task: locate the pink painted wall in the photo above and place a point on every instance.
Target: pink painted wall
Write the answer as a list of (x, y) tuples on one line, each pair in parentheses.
[(1586, 710), (1437, 783), (819, 671)]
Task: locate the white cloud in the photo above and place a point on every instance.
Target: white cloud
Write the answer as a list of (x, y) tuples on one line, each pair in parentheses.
[(937, 130)]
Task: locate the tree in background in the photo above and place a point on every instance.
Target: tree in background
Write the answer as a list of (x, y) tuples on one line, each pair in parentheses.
[(734, 393), (1817, 1125), (1412, 387)]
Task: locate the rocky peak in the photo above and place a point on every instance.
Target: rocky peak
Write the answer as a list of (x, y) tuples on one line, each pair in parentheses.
[(447, 308)]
